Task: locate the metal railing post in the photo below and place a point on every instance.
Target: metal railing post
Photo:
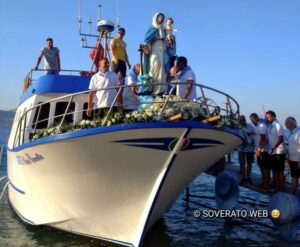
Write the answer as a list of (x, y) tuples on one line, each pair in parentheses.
[(229, 104), (169, 95), (24, 129), (205, 102), (37, 119), (66, 111), (112, 105)]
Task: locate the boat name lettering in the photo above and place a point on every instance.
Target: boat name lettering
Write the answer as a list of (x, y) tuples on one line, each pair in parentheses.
[(26, 159)]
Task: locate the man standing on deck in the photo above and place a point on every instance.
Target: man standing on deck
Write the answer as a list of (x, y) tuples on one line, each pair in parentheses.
[(104, 98), (186, 90), (51, 58), (261, 148), (294, 151), (119, 54), (130, 99), (276, 151)]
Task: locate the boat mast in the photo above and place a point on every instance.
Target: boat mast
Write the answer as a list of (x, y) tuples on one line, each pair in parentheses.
[(104, 28)]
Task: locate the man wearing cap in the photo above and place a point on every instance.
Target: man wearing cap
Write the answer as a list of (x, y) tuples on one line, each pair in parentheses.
[(51, 58), (119, 54)]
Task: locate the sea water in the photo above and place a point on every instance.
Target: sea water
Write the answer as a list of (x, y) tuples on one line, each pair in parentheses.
[(178, 228)]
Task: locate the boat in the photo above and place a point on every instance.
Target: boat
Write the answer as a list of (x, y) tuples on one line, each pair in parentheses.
[(104, 179)]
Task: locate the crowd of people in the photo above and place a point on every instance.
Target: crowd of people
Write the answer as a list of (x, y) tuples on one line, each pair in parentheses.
[(272, 148), (158, 61)]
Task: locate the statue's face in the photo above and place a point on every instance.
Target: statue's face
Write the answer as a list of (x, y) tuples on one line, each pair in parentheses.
[(160, 19)]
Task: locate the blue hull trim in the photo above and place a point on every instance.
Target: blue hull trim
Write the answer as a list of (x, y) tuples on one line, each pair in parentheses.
[(120, 127), (16, 188), (164, 143)]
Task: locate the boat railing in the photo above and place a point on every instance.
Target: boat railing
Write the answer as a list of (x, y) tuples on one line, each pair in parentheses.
[(208, 105)]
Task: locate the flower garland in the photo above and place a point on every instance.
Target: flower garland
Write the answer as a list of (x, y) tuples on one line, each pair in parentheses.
[(189, 110)]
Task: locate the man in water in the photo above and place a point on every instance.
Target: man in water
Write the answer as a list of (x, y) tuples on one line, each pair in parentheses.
[(294, 151), (246, 155), (51, 58), (276, 151), (261, 148)]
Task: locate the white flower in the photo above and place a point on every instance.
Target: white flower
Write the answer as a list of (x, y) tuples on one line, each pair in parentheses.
[(134, 114), (108, 123), (169, 112), (127, 115), (158, 117), (82, 123), (113, 120)]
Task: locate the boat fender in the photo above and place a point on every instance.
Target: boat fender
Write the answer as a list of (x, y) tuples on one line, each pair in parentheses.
[(226, 190), (288, 205), (284, 211), (290, 232), (212, 119)]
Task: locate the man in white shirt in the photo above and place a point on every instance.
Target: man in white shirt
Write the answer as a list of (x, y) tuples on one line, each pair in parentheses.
[(51, 58), (130, 99), (293, 151), (261, 148), (276, 150), (104, 98), (186, 76)]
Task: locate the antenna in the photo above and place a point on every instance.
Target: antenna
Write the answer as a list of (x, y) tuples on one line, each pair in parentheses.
[(79, 16), (118, 15), (264, 110), (90, 25), (99, 11)]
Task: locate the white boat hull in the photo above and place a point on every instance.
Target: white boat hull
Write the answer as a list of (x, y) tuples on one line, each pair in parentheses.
[(111, 183)]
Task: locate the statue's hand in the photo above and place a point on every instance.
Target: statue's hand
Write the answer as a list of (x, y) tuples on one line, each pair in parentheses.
[(146, 49)]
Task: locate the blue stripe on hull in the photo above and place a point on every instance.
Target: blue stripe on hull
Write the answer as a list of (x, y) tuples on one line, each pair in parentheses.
[(16, 188), (121, 127)]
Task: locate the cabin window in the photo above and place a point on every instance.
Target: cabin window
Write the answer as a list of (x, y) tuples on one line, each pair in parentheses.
[(84, 116), (41, 116), (60, 109)]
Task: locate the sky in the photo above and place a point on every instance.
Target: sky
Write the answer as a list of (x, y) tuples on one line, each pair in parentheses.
[(249, 49)]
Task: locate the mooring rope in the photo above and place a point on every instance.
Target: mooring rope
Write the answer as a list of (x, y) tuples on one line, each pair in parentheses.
[(2, 178), (1, 152), (4, 188)]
